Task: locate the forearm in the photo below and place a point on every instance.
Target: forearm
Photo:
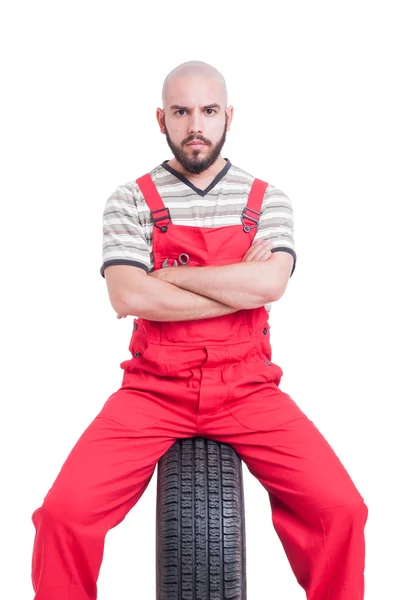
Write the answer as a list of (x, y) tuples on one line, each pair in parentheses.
[(243, 285), (161, 301)]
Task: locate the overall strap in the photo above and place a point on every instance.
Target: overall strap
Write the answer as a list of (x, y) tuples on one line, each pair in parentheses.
[(154, 201), (156, 205), (253, 205)]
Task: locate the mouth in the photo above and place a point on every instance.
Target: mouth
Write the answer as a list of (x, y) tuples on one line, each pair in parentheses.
[(196, 144)]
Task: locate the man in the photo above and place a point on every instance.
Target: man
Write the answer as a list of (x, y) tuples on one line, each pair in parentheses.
[(198, 250)]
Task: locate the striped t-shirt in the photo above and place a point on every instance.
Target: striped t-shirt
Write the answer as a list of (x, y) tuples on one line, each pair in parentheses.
[(128, 227)]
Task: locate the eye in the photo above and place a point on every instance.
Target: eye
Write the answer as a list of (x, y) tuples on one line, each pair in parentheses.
[(212, 109), (180, 111)]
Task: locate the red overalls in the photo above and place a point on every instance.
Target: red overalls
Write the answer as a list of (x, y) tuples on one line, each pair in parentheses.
[(213, 378)]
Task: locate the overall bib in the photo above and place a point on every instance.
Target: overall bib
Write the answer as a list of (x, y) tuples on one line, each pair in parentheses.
[(213, 378)]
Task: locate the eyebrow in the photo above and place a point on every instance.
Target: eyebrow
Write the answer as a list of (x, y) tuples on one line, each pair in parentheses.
[(178, 107)]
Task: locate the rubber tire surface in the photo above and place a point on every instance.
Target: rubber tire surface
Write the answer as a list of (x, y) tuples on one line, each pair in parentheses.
[(200, 523)]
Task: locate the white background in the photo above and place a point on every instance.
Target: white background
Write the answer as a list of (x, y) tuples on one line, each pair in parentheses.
[(314, 90)]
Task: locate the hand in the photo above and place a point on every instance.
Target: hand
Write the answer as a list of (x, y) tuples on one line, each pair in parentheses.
[(158, 273), (121, 316), (260, 250), (163, 273)]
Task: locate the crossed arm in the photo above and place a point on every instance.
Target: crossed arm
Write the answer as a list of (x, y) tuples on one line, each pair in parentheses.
[(186, 293), (243, 285)]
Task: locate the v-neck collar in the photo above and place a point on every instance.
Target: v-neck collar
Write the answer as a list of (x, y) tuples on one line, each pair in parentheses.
[(193, 187)]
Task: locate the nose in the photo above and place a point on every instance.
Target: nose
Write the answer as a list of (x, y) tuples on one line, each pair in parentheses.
[(195, 123)]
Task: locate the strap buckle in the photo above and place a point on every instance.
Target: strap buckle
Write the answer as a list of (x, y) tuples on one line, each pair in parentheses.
[(247, 228), (155, 220)]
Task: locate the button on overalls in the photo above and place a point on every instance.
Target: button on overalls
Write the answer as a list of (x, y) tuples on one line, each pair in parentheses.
[(213, 378)]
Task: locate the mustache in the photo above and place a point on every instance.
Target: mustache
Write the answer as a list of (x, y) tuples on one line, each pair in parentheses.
[(196, 139)]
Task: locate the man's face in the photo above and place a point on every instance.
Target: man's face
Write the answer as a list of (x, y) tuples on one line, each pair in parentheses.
[(194, 110)]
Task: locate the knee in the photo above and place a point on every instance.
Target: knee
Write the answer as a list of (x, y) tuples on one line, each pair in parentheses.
[(356, 510), (60, 510), (355, 513), (360, 511)]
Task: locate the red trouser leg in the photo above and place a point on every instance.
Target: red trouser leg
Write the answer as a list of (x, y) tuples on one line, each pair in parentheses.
[(103, 477), (317, 511)]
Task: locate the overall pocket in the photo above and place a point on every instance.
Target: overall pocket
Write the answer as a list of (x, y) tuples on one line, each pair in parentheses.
[(253, 392)]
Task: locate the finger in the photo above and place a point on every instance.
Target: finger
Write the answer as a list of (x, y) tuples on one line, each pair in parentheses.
[(266, 253), (257, 248), (261, 256)]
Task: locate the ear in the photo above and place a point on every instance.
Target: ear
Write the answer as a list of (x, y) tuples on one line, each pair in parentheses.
[(160, 119), (230, 114)]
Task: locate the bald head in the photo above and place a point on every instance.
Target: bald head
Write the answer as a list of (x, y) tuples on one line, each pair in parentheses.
[(195, 110), (190, 70)]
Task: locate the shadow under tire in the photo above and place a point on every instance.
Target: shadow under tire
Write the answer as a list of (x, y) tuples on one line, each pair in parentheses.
[(200, 523)]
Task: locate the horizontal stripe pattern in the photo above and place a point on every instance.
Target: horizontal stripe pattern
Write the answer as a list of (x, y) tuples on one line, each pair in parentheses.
[(128, 228)]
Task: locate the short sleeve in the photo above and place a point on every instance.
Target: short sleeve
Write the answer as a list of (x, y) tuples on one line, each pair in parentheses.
[(277, 222), (124, 241)]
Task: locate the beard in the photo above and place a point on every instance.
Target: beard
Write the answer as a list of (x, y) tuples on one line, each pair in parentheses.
[(193, 163)]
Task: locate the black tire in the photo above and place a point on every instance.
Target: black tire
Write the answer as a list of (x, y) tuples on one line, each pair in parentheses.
[(200, 523)]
